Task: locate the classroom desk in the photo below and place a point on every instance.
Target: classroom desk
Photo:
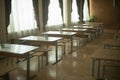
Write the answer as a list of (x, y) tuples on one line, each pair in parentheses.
[(20, 51), (92, 23), (102, 54), (113, 42), (85, 27), (42, 40), (74, 30), (64, 34), (95, 24), (93, 30), (79, 33), (98, 25)]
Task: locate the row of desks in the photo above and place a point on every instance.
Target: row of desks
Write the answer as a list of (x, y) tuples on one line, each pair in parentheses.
[(17, 50)]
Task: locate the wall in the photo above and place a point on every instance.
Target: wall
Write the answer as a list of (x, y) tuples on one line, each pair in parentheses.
[(2, 21), (67, 12), (105, 12), (40, 16)]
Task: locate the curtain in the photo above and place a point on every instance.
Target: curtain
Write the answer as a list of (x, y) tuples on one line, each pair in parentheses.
[(78, 7), (71, 4), (88, 6), (45, 4), (7, 12), (61, 6), (22, 19), (35, 4), (82, 9)]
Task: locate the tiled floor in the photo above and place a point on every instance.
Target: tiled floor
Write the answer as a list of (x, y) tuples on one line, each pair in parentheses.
[(75, 66)]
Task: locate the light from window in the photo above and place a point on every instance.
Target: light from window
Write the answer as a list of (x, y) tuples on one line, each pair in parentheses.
[(22, 16), (54, 13), (85, 11), (74, 14)]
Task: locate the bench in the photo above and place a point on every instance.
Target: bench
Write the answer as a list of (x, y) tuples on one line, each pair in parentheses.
[(4, 71)]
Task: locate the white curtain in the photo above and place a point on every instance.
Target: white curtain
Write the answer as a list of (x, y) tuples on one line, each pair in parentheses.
[(85, 11), (74, 14), (22, 21), (54, 16)]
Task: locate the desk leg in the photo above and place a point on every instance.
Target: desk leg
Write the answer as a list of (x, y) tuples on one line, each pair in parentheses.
[(28, 67), (71, 44), (102, 29), (47, 62), (56, 53), (98, 69), (92, 67)]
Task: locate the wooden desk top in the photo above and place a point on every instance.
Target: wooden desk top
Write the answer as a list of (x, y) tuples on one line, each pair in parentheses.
[(16, 50), (106, 54), (74, 30), (63, 34), (60, 33), (112, 42), (85, 27), (92, 23), (41, 38)]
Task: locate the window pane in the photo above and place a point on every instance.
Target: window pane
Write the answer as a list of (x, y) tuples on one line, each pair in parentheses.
[(22, 16), (74, 14), (85, 11), (54, 13)]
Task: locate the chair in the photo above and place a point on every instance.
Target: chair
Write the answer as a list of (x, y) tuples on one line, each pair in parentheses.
[(93, 32), (84, 36), (62, 43), (41, 53)]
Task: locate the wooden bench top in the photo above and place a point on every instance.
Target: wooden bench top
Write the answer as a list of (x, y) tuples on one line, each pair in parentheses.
[(5, 69)]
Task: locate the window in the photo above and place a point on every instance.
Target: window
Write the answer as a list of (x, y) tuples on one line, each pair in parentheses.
[(54, 14), (22, 16), (74, 14), (85, 11)]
